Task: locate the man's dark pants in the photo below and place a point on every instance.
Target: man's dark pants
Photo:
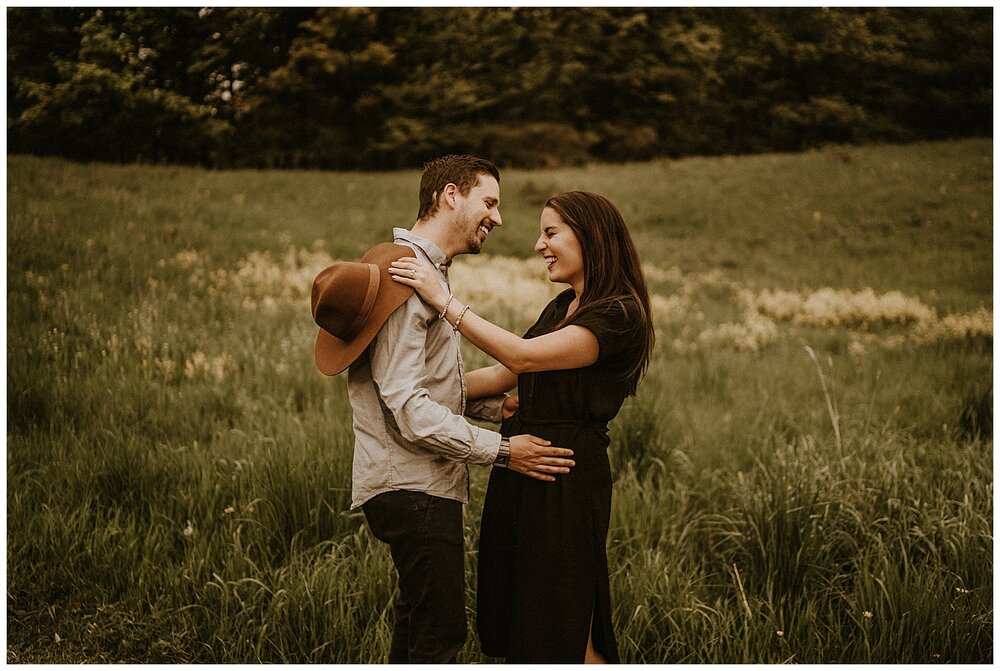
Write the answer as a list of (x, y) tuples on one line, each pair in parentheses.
[(424, 534)]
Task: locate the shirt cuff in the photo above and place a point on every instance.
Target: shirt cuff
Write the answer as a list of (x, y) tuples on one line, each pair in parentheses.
[(487, 409), (485, 448)]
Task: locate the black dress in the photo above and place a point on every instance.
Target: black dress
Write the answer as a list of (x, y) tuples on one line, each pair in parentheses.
[(543, 568)]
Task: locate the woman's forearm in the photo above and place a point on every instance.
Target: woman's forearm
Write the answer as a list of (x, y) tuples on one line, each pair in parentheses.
[(569, 347), (500, 344)]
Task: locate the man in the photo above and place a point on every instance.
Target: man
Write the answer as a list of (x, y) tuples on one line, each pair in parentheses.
[(408, 395)]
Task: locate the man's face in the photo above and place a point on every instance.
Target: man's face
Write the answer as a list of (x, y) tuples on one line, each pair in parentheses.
[(477, 213)]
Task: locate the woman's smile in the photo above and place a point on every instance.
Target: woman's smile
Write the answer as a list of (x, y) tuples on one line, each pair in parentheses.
[(560, 248)]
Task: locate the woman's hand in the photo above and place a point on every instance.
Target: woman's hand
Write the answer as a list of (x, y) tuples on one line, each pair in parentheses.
[(510, 405), (420, 275)]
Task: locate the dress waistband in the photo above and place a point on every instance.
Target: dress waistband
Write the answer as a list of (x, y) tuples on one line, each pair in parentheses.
[(600, 426)]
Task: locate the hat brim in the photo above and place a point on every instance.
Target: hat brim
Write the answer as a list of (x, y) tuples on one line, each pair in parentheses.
[(334, 355)]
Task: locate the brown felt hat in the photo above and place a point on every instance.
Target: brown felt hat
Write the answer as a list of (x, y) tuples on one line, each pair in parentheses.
[(351, 301)]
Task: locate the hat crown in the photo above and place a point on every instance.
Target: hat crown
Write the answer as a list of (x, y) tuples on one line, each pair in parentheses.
[(342, 297), (350, 303)]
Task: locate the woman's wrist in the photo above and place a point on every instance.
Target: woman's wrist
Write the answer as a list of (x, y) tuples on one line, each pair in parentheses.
[(455, 308), (442, 306)]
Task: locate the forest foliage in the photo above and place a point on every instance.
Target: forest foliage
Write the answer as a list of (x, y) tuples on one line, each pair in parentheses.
[(384, 88)]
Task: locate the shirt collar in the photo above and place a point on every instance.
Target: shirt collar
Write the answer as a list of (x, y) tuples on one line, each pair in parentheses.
[(432, 251)]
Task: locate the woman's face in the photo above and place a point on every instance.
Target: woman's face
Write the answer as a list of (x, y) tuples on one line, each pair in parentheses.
[(560, 248)]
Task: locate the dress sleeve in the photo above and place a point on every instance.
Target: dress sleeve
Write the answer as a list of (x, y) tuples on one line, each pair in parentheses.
[(544, 320), (617, 327)]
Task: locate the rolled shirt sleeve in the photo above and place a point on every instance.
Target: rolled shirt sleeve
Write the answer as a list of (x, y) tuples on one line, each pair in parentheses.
[(399, 373), (486, 409)]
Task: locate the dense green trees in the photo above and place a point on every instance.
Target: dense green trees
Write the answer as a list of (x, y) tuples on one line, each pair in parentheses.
[(391, 87)]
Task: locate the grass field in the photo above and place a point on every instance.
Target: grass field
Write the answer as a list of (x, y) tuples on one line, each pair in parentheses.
[(805, 475)]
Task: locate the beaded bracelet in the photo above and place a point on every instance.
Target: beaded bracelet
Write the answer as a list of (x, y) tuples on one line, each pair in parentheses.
[(446, 304), (458, 322)]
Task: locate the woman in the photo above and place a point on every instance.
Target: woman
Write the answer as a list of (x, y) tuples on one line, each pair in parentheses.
[(543, 577)]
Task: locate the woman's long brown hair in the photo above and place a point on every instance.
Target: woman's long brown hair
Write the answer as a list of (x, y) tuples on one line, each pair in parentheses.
[(611, 268)]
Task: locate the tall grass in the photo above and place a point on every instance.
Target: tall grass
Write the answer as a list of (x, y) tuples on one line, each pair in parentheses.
[(178, 474)]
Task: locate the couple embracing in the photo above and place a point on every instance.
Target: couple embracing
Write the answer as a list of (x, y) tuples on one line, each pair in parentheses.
[(393, 321)]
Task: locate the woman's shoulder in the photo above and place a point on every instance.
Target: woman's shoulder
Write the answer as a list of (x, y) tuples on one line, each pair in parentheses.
[(564, 296), (551, 314), (620, 310), (557, 306)]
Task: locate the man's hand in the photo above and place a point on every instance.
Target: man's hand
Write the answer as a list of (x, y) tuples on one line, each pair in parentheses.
[(537, 459), (510, 406)]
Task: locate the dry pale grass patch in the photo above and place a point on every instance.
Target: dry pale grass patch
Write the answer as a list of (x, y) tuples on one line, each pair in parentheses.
[(513, 291), (503, 285), (828, 307)]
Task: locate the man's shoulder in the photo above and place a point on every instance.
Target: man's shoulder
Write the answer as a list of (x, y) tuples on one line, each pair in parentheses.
[(418, 251), (414, 312)]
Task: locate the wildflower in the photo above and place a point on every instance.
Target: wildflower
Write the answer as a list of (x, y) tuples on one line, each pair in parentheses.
[(210, 367), (868, 614), (672, 309), (229, 510), (192, 365), (828, 307), (755, 332), (962, 590), (187, 258), (780, 634), (165, 366), (658, 274), (971, 325), (936, 657), (188, 530), (894, 341)]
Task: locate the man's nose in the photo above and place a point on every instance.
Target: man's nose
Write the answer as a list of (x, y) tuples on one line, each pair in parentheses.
[(496, 219)]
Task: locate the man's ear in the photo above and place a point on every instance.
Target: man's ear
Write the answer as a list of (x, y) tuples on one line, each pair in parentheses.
[(450, 193)]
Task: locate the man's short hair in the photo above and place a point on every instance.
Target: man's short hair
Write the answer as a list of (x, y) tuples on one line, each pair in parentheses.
[(459, 169)]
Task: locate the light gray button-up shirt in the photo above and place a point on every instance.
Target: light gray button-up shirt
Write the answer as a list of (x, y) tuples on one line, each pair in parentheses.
[(408, 396)]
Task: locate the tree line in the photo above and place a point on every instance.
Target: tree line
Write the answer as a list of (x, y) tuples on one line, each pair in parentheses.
[(382, 88)]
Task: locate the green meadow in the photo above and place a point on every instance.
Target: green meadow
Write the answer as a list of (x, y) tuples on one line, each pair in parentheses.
[(804, 476)]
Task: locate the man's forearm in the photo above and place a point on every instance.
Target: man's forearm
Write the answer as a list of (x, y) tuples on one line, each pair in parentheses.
[(398, 372), (486, 409)]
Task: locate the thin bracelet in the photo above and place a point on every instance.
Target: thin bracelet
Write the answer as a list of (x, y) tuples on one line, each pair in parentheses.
[(458, 322), (446, 304)]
